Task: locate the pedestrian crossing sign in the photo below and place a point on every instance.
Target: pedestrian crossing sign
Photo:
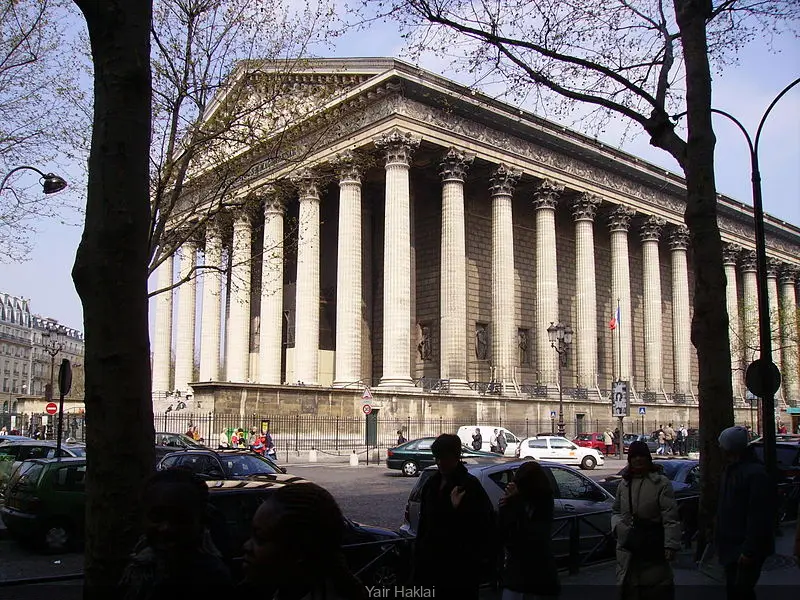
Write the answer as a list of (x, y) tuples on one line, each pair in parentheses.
[(642, 410)]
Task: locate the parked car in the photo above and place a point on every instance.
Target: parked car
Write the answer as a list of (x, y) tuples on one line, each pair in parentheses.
[(465, 433), (222, 464), (788, 454), (167, 443), (561, 450), (573, 492), (12, 453), (590, 440), (413, 456), (629, 438), (4, 439)]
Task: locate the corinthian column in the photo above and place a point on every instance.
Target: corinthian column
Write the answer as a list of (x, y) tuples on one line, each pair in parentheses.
[(187, 305), (453, 293), (681, 349), (750, 341), (306, 339), (774, 314), (730, 254), (545, 199), (789, 334), (584, 210), (501, 187), (619, 221), (399, 147), (270, 336), (162, 346), (653, 359), (212, 305), (238, 354), (348, 273)]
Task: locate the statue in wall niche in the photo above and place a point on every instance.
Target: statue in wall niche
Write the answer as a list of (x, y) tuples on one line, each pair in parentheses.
[(424, 344), (481, 342), (522, 345)]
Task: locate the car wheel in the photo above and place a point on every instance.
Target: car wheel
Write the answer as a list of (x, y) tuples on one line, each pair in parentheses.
[(57, 537), (588, 463), (410, 469)]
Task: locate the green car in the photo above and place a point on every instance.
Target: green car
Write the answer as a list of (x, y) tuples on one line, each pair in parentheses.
[(45, 503), (414, 456)]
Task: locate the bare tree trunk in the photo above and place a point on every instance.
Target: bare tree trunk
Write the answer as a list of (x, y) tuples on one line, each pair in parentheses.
[(710, 321), (110, 275)]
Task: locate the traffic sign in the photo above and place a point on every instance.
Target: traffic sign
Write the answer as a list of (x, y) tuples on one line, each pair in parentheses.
[(367, 409), (642, 410), (552, 414), (367, 395), (51, 408), (757, 382)]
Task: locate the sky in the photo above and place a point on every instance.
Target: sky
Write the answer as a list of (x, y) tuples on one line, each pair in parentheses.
[(744, 90)]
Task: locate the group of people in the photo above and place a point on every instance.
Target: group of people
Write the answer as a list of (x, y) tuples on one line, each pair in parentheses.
[(497, 441), (672, 441), (259, 442)]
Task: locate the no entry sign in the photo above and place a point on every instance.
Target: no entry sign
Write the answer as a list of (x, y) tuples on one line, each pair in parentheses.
[(367, 408), (51, 408)]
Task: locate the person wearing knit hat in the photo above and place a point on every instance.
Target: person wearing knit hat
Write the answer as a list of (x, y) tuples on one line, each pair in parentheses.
[(647, 526), (746, 514)]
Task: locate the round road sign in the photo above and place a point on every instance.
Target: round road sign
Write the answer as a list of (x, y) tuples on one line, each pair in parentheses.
[(367, 409), (51, 408), (758, 384)]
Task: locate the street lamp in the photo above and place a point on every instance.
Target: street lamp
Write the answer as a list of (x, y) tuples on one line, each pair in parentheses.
[(560, 339), (766, 375), (50, 182), (52, 346)]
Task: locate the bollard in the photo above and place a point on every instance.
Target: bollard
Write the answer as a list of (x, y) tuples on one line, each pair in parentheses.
[(312, 456), (354, 459)]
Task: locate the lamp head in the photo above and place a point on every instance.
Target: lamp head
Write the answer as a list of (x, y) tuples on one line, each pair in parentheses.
[(52, 183), (567, 334), (552, 333)]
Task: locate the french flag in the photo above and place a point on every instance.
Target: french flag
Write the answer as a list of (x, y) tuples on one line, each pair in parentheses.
[(615, 320)]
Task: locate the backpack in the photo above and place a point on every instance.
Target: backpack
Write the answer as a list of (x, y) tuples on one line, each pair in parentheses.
[(679, 436)]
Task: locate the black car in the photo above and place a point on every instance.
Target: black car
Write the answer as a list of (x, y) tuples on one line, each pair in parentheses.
[(629, 438), (413, 456), (222, 464), (166, 443)]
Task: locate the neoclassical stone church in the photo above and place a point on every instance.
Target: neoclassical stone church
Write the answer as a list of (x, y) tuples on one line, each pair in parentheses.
[(423, 244)]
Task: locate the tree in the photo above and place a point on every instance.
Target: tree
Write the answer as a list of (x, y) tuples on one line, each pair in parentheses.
[(38, 113), (642, 60)]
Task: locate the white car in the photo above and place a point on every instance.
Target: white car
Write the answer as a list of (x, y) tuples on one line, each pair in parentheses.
[(561, 450), (465, 435)]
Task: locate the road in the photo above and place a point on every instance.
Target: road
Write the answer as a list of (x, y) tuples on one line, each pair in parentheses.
[(368, 494)]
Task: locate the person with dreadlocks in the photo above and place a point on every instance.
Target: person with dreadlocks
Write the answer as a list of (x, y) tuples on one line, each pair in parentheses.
[(176, 554), (295, 548)]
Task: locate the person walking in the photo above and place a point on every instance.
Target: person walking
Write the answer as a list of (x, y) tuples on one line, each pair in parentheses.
[(477, 440), (502, 444), (746, 515), (454, 512), (493, 441), (295, 548), (608, 440), (647, 526), (401, 439), (525, 521), (669, 439), (662, 441)]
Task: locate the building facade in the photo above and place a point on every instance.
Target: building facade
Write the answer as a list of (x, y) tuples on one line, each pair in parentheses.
[(423, 245)]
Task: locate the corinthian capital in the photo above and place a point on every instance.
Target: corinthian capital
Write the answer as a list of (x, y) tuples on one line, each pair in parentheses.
[(274, 202), (585, 206), (455, 164), (503, 181), (788, 274), (679, 238), (773, 266), (730, 253), (650, 230), (399, 146), (547, 194), (749, 262), (349, 166), (619, 219), (307, 183)]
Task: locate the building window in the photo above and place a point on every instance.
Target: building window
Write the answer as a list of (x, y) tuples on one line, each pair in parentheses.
[(5, 384)]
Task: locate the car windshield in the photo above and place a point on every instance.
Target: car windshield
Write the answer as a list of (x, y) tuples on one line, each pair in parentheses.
[(26, 476), (585, 437), (244, 465), (79, 451)]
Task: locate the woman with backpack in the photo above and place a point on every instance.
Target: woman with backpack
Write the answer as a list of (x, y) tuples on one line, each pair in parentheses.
[(647, 527)]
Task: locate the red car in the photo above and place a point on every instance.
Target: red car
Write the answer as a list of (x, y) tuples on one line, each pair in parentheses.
[(590, 440)]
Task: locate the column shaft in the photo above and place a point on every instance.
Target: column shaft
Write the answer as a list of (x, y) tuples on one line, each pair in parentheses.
[(397, 260), (790, 335), (187, 305), (348, 275), (453, 264), (619, 223), (774, 316), (653, 338), (545, 200), (750, 342), (730, 253), (583, 211), (681, 321), (306, 341), (162, 346), (503, 331), (238, 355), (212, 307), (270, 338)]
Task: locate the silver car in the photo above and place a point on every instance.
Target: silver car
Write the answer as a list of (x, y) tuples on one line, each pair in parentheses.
[(573, 492)]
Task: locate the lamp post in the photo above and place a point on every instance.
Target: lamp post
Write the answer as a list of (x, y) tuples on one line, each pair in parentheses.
[(560, 340), (50, 182), (764, 373), (52, 347)]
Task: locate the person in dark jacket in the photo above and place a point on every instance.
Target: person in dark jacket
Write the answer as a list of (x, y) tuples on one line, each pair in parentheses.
[(477, 440), (746, 515), (454, 512), (525, 522)]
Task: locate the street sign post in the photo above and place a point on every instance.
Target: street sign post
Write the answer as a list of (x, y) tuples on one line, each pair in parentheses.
[(642, 413), (51, 408), (620, 408), (64, 386)]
